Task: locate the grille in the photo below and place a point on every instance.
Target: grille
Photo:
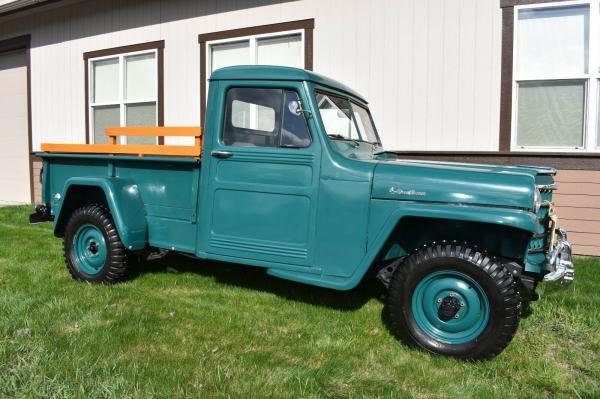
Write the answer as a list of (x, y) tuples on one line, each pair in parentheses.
[(538, 244), (541, 242)]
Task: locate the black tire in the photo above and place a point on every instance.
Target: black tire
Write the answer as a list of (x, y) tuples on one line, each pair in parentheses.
[(111, 270), (493, 279)]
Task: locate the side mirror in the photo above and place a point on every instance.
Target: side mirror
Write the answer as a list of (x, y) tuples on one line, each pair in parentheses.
[(295, 108)]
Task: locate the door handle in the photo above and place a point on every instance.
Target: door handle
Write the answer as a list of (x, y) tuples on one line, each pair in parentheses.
[(221, 154)]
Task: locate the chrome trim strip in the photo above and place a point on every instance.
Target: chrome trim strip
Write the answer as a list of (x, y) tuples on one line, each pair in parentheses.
[(546, 186)]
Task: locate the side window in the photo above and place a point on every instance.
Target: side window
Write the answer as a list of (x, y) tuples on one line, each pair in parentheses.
[(264, 118), (252, 117), (294, 131)]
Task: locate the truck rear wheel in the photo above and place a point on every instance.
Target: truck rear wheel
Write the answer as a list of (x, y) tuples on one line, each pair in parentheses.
[(92, 247), (454, 301)]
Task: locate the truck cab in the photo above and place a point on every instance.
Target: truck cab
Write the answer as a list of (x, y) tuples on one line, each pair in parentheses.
[(289, 174)]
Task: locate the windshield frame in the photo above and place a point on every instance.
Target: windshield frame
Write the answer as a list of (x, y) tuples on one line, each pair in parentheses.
[(354, 103)]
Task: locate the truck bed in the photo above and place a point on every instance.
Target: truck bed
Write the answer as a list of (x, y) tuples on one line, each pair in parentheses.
[(165, 178)]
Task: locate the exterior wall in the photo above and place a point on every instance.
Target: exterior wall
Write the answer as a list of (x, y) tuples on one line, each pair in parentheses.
[(578, 203), (37, 186), (14, 157), (431, 68)]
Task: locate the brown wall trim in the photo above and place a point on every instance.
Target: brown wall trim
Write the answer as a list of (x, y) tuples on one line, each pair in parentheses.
[(158, 45), (307, 24), (202, 82), (257, 30), (512, 3), (15, 43), (506, 77), (24, 43), (587, 161), (161, 89), (124, 49)]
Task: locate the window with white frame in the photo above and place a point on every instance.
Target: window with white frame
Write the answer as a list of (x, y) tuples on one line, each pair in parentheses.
[(123, 92), (556, 77), (281, 48)]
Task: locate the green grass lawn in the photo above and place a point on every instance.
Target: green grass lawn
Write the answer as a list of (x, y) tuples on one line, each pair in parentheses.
[(183, 328)]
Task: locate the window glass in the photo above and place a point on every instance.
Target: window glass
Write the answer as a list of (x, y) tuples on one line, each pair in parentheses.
[(598, 117), (552, 57), (345, 120), (294, 131), (365, 125), (252, 117), (264, 118), (124, 93), (140, 75), (551, 113), (336, 115), (141, 115), (104, 116), (105, 74), (552, 41), (228, 54), (281, 50)]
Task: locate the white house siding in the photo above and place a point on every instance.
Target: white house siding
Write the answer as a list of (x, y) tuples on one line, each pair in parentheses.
[(14, 158), (430, 68)]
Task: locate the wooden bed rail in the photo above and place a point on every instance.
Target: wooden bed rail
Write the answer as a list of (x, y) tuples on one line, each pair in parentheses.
[(113, 147)]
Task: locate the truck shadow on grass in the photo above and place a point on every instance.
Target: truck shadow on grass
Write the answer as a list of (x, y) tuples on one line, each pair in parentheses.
[(257, 279)]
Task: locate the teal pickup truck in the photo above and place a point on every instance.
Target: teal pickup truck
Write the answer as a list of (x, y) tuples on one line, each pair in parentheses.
[(289, 175)]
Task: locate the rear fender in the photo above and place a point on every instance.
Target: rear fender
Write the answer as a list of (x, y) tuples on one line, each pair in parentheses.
[(122, 198)]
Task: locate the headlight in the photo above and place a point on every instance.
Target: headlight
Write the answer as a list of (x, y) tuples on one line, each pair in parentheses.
[(537, 200)]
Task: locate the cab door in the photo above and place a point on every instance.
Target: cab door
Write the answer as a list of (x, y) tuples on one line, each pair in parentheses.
[(263, 180)]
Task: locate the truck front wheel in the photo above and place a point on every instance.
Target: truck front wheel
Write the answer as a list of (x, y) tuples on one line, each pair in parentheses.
[(454, 301), (93, 250)]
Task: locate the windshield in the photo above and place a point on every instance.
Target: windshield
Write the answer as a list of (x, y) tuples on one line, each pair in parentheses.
[(345, 119)]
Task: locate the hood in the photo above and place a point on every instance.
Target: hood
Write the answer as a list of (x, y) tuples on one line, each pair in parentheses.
[(447, 182)]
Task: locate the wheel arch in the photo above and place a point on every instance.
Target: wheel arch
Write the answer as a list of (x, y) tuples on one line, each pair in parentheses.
[(414, 224), (387, 227), (120, 196), (413, 232)]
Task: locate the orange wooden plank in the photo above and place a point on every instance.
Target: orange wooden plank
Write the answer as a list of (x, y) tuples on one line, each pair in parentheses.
[(160, 131), (132, 149)]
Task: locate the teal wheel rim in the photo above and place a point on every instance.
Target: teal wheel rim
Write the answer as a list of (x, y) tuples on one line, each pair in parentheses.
[(89, 249), (450, 307)]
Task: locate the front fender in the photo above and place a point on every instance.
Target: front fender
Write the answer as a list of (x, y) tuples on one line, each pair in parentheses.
[(386, 214), (124, 201)]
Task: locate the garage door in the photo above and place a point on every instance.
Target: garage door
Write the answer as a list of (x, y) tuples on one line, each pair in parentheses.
[(14, 141)]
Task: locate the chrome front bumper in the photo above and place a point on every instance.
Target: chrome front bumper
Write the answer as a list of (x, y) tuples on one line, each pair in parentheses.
[(560, 260)]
